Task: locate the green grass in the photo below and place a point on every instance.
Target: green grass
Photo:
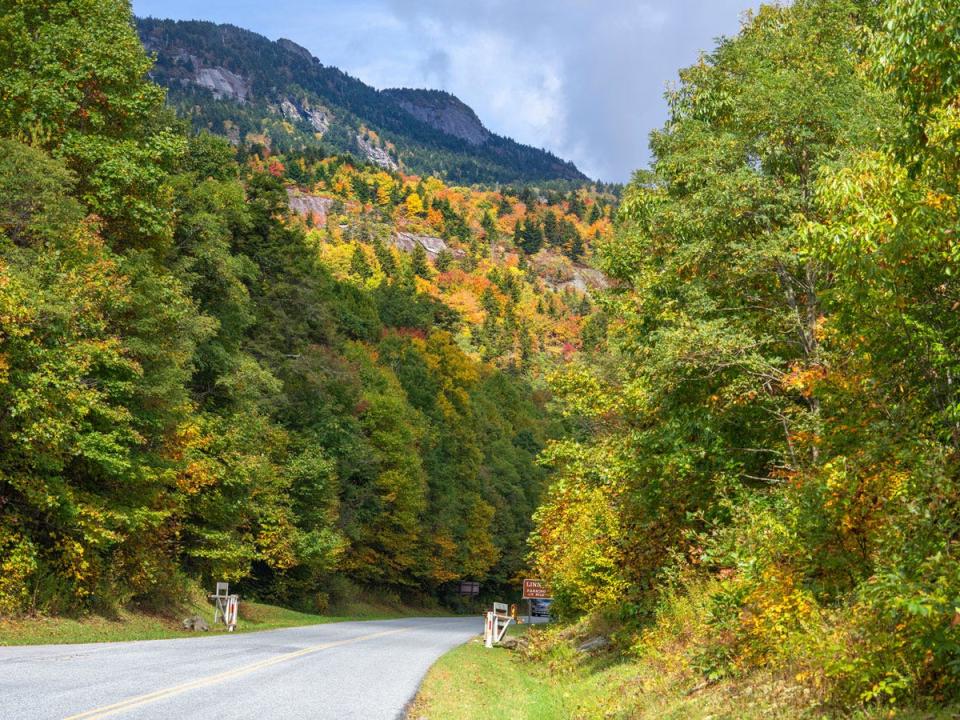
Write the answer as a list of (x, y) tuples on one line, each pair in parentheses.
[(476, 683), (472, 681), (126, 625)]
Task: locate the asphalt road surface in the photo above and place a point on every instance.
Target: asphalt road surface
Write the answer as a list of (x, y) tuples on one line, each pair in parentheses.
[(364, 670)]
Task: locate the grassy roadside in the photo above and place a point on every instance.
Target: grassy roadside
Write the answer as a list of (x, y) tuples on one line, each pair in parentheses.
[(476, 683), (550, 680), (134, 625)]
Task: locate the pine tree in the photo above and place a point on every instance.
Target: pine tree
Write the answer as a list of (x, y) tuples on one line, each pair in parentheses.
[(359, 265), (419, 263), (596, 213), (577, 249), (387, 264), (552, 229), (576, 205), (444, 260), (531, 236)]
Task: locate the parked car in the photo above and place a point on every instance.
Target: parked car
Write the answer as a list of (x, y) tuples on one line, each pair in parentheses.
[(540, 608)]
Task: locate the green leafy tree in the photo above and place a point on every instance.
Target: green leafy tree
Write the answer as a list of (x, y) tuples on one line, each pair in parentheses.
[(73, 78)]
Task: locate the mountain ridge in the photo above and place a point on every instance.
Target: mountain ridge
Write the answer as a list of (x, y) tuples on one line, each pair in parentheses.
[(238, 83)]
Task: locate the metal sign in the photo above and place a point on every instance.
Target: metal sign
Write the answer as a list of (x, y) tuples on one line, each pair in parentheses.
[(535, 589), (469, 587)]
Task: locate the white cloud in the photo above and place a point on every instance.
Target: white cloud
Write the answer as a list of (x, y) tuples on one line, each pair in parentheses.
[(583, 78)]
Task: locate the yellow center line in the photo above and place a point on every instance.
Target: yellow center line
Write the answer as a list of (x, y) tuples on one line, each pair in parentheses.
[(139, 700)]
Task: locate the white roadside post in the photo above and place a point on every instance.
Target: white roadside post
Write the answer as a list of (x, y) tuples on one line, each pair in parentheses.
[(227, 606), (496, 626), (230, 616)]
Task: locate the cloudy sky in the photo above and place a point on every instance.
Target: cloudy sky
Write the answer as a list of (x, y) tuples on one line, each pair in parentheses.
[(583, 78)]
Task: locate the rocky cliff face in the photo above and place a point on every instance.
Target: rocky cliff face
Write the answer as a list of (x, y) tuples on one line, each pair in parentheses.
[(222, 83), (299, 109), (306, 204), (375, 153), (442, 111), (432, 245)]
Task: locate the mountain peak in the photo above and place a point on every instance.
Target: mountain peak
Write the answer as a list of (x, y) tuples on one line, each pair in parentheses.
[(291, 46), (443, 111)]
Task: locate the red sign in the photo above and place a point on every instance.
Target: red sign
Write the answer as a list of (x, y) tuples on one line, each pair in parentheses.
[(534, 589)]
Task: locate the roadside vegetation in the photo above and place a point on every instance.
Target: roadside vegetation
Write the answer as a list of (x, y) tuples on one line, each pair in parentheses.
[(737, 462), (569, 672), (132, 623), (766, 484)]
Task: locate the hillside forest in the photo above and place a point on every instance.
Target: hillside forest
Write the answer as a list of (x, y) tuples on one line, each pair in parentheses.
[(199, 383), (719, 409)]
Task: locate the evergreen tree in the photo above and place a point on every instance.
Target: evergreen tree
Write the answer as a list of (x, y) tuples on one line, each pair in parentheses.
[(444, 260), (387, 263), (419, 264), (359, 265), (596, 213), (552, 229), (532, 236), (576, 206)]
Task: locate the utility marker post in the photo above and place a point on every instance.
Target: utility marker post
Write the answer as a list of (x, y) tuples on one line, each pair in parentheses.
[(496, 624), (227, 606)]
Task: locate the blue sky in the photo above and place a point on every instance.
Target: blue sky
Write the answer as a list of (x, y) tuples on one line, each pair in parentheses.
[(582, 78)]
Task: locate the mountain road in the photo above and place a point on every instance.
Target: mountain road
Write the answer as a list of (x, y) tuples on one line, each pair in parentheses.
[(364, 670)]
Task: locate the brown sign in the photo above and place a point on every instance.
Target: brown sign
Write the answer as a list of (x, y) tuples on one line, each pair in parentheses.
[(468, 587), (534, 589)]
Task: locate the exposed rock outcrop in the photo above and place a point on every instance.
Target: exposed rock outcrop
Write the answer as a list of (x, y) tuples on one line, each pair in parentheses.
[(317, 115), (290, 111), (376, 154), (320, 117), (223, 83), (442, 111), (313, 205), (560, 273), (291, 46), (586, 279), (433, 245)]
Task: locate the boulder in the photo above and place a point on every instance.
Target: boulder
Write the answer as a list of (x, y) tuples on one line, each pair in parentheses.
[(195, 623), (594, 644)]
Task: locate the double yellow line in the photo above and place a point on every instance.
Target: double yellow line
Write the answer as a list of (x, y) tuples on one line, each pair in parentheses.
[(141, 700)]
